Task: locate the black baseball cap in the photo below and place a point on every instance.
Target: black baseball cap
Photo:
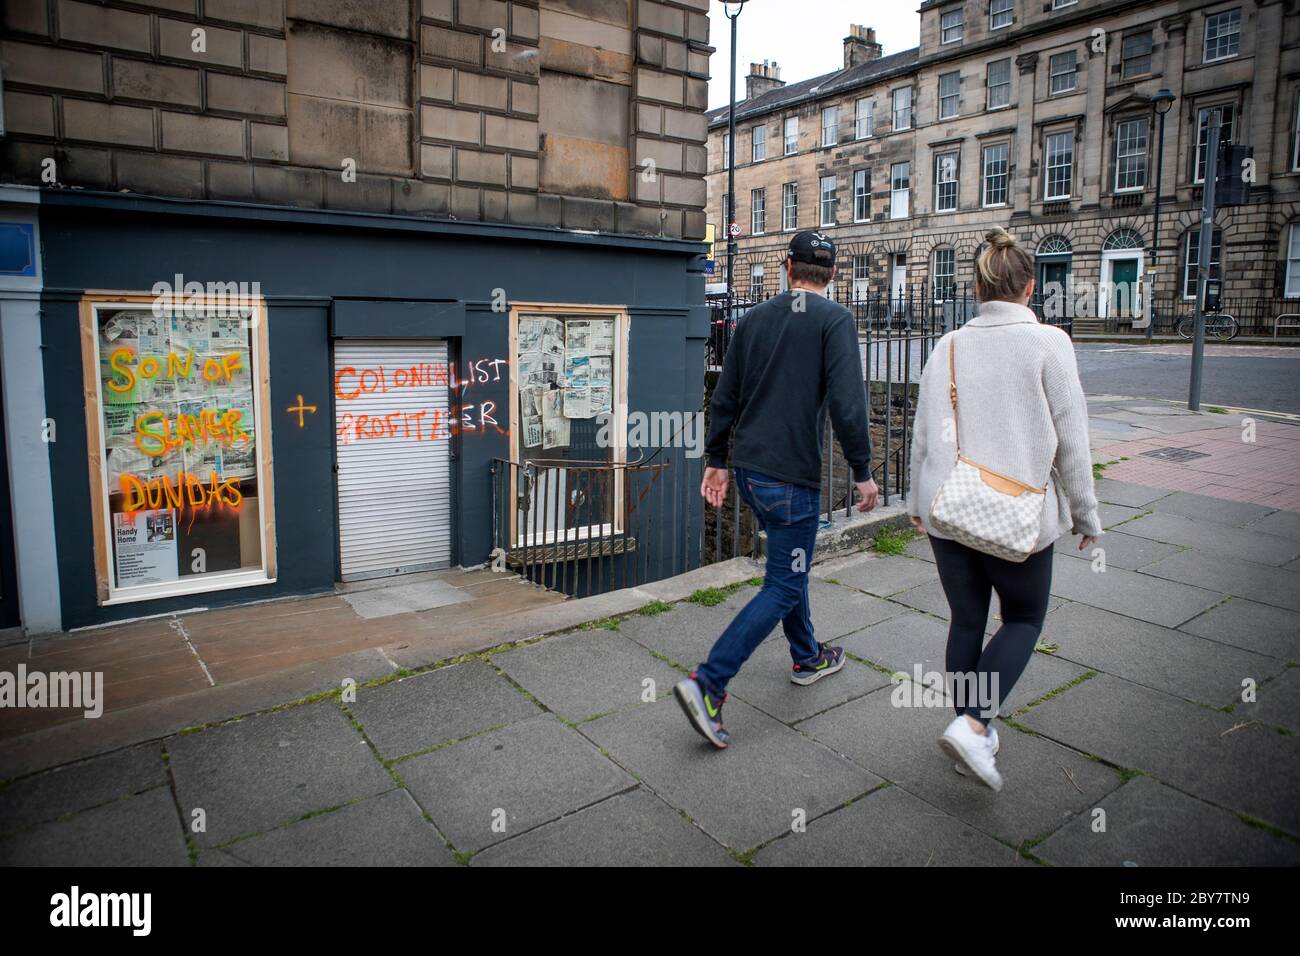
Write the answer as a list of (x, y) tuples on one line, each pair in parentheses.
[(814, 248)]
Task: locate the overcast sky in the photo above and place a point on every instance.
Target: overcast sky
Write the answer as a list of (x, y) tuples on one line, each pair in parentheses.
[(804, 36)]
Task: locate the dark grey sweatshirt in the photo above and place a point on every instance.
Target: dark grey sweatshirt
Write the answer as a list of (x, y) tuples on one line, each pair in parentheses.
[(783, 369)]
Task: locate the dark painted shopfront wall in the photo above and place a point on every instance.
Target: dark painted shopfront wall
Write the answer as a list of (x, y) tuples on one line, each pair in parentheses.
[(305, 270)]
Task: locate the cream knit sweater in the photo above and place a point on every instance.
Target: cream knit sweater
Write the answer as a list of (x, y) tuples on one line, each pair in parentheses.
[(1020, 411)]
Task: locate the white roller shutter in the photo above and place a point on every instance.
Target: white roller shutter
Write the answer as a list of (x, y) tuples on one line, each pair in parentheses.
[(394, 480)]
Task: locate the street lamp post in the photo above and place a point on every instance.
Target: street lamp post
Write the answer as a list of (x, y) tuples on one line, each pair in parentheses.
[(1163, 102), (727, 8)]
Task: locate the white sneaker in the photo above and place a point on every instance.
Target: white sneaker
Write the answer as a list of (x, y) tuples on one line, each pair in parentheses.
[(993, 736), (972, 749)]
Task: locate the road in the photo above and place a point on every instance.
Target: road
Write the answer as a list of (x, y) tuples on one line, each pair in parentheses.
[(1241, 376)]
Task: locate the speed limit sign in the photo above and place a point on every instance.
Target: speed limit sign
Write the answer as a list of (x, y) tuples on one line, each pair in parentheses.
[(734, 229)]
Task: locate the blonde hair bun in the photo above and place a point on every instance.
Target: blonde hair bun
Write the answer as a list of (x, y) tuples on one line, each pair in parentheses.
[(998, 238)]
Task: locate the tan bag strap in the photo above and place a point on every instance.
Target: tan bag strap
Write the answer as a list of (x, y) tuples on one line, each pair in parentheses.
[(952, 389)]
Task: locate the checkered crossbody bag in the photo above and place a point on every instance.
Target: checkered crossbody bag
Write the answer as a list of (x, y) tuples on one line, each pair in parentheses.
[(980, 508)]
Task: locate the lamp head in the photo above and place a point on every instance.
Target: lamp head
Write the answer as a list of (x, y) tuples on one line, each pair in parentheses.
[(1163, 101)]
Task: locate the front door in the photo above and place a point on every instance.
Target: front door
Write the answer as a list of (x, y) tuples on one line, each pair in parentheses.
[(1123, 290), (898, 282), (393, 445)]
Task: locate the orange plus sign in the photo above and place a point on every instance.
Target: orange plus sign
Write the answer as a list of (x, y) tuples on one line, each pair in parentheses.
[(300, 408)]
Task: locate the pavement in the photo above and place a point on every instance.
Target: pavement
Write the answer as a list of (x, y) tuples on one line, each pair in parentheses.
[(1156, 725)]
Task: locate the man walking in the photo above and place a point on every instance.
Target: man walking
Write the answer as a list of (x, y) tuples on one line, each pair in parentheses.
[(791, 358)]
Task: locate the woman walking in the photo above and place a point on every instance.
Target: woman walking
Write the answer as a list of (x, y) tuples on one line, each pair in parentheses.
[(1000, 470)]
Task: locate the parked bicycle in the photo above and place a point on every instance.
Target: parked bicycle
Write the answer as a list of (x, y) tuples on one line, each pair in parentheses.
[(1221, 325)]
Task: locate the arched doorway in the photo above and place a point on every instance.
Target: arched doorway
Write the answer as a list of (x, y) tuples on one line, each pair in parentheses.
[(1120, 294)]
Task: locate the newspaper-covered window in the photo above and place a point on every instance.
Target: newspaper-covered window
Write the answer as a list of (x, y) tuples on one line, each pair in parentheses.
[(566, 385), (179, 448)]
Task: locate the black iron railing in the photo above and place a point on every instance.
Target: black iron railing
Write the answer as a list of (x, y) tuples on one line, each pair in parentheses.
[(586, 527)]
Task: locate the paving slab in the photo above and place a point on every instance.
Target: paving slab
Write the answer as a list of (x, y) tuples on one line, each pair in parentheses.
[(902, 642), (580, 675), (1045, 784), (1257, 627), (684, 634), (1204, 536), (1173, 661), (1043, 674), (765, 682), (1156, 600), (1110, 515), (253, 774), (1283, 523), (631, 829), (919, 547), (419, 712), (742, 796), (143, 830), (882, 575), (888, 827), (1127, 551), (1277, 702), (1150, 824), (1236, 514), (1126, 493), (404, 598), (1267, 585), (515, 778), (1203, 752), (387, 830), (79, 786), (837, 610)]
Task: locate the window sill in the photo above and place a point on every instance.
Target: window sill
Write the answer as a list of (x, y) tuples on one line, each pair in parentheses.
[(203, 585)]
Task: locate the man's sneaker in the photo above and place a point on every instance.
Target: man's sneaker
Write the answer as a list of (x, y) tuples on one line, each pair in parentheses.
[(993, 736), (828, 661), (705, 715), (972, 749)]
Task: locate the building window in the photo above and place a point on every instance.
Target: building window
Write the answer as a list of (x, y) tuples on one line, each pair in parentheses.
[(999, 84), (1131, 155), (568, 375), (790, 206), (861, 195), (903, 108), (756, 284), (1192, 259), (179, 419), (951, 25), (791, 135), (757, 211), (828, 201), (943, 272), (1222, 35), (865, 118), (1292, 288), (1227, 118), (726, 209), (949, 95), (1135, 55), (945, 182), (861, 277), (1058, 151), (1063, 72), (995, 174), (830, 125), (900, 185), (726, 150), (1001, 13), (1295, 147), (758, 144)]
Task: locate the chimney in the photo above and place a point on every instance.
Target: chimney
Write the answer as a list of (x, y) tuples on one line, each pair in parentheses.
[(762, 77), (860, 46)]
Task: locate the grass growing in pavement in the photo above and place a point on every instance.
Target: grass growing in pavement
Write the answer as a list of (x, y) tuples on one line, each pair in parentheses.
[(653, 608), (893, 540), (1099, 466), (1047, 647), (708, 597), (1216, 410), (608, 623)]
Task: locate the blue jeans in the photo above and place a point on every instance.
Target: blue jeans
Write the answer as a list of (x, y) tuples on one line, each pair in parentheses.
[(789, 514)]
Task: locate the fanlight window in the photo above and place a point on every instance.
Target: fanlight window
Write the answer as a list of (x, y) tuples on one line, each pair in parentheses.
[(1122, 239), (1054, 246)]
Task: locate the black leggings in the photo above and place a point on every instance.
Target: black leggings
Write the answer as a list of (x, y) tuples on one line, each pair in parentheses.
[(969, 577)]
